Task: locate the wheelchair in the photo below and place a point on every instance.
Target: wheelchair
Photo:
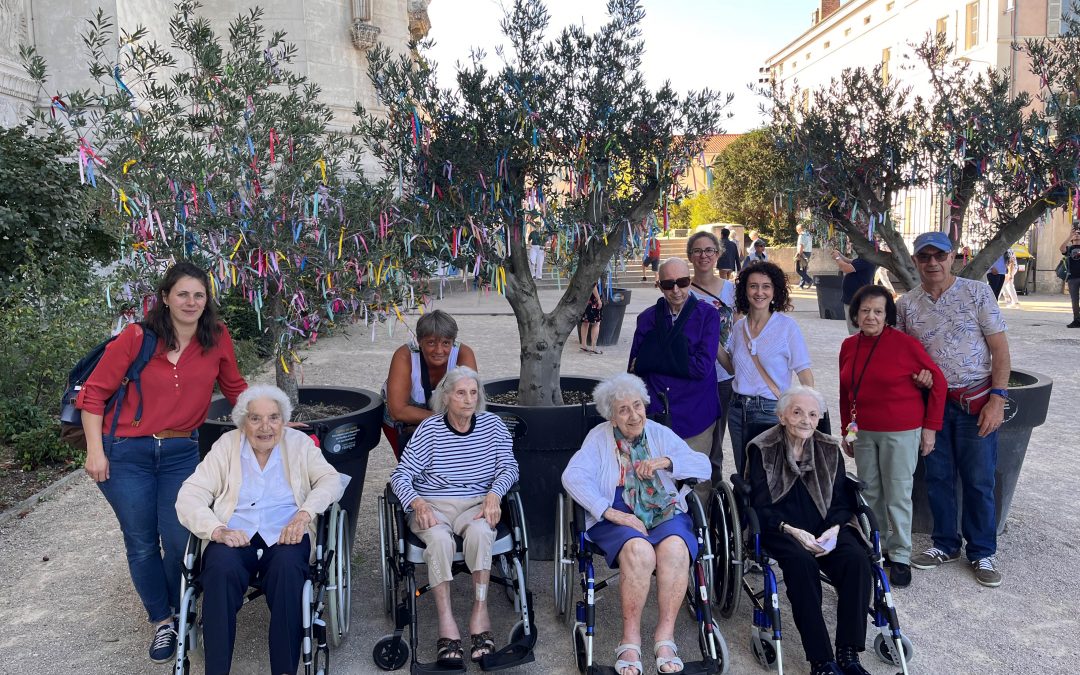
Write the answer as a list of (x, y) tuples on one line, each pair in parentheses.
[(740, 560), (574, 550), (326, 604), (402, 551)]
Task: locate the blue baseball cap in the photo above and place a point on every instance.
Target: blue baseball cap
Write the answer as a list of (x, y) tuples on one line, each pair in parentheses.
[(938, 240)]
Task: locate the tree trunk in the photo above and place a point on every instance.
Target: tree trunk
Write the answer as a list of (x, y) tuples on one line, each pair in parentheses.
[(1008, 235)]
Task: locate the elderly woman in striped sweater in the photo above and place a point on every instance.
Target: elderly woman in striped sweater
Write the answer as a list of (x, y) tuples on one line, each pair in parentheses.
[(453, 474)]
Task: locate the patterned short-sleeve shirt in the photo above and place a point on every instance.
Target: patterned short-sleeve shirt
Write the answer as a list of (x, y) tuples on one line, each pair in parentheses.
[(953, 328)]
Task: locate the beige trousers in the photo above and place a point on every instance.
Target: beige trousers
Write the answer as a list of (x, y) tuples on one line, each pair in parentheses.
[(703, 443), (455, 515)]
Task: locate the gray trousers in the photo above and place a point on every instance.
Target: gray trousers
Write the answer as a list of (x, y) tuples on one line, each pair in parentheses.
[(1074, 293), (886, 463)]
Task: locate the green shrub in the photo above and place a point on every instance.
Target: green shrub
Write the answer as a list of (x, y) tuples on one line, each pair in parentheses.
[(253, 345), (41, 445)]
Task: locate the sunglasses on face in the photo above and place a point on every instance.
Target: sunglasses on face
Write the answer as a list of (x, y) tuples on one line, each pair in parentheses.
[(940, 256), (668, 284), (703, 251)]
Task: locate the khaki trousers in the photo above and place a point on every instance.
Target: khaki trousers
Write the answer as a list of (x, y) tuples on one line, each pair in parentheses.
[(455, 515), (886, 463), (703, 443)]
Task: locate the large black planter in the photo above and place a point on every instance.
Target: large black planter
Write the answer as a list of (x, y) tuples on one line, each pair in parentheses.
[(611, 317), (345, 440), (545, 437), (830, 296), (1031, 400)]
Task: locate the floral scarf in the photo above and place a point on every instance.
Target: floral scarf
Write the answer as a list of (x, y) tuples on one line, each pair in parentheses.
[(648, 498)]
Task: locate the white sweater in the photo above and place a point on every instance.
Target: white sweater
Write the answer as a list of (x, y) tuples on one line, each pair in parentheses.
[(592, 475)]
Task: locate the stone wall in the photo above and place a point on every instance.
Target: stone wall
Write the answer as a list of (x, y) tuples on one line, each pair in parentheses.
[(16, 89)]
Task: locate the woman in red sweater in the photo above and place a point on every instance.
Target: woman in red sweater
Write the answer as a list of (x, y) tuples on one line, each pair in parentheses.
[(140, 468), (886, 420)]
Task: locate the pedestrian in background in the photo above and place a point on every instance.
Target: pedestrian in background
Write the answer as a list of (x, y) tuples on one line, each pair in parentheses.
[(1070, 248), (1008, 289), (652, 258), (803, 249), (995, 276), (857, 273), (728, 260), (536, 253), (588, 331), (758, 254)]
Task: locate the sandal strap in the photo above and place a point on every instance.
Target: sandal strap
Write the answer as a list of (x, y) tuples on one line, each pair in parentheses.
[(447, 645), (622, 664), (666, 643), (662, 661)]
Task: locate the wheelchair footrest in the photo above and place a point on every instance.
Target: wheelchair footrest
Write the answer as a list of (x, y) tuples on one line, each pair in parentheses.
[(514, 654), (700, 668), (433, 669)]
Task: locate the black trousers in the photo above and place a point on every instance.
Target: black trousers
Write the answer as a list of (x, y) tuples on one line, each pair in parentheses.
[(226, 575), (996, 281), (848, 567)]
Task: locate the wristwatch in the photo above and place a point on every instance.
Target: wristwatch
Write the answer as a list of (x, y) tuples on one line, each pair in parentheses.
[(1003, 393)]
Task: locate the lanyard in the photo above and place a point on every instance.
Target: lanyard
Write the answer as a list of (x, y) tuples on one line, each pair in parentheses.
[(857, 384)]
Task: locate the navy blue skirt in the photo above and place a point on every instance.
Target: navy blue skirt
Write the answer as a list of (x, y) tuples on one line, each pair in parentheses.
[(610, 537)]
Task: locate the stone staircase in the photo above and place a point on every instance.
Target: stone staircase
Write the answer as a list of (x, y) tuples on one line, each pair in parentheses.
[(626, 274)]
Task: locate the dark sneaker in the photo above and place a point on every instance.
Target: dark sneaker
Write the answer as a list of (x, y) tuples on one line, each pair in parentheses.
[(933, 557), (825, 668), (1074, 324), (163, 648), (900, 575), (985, 572), (847, 659)]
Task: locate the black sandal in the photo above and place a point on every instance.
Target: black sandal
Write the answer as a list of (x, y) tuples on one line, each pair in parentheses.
[(447, 648), (483, 643)]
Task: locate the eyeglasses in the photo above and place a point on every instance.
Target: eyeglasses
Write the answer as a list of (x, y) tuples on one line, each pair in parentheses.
[(940, 256), (668, 284), (703, 251)]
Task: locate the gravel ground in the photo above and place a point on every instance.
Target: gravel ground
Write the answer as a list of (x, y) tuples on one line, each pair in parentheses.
[(67, 605)]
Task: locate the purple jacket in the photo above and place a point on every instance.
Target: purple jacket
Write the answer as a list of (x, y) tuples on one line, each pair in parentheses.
[(693, 400)]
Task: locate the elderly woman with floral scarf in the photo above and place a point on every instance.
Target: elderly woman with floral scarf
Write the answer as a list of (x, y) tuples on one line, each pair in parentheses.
[(806, 514), (624, 477)]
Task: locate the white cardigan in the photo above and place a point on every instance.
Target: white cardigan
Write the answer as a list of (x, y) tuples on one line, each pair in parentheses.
[(592, 475)]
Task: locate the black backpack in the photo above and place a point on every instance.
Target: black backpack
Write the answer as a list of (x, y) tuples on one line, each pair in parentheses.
[(71, 430)]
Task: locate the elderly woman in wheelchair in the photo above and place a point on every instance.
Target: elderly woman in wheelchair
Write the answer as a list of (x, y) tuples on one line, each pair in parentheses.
[(624, 478), (454, 473), (806, 514), (253, 501)]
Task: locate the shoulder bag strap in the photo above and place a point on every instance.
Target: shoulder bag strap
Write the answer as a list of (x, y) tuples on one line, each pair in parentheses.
[(761, 370)]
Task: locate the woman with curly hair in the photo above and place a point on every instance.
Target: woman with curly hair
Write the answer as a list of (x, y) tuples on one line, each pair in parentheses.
[(765, 347)]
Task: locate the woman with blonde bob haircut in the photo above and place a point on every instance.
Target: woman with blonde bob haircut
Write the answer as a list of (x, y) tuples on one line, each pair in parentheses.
[(624, 477), (253, 500)]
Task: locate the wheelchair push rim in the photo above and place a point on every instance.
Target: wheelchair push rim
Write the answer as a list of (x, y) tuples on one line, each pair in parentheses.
[(340, 577), (726, 530)]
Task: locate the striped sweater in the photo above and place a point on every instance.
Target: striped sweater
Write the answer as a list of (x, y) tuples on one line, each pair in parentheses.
[(440, 461)]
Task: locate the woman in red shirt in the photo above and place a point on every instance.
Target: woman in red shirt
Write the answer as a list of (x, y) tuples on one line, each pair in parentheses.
[(886, 421), (140, 468)]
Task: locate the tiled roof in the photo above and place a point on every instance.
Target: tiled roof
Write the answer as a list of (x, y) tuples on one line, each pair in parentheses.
[(718, 142)]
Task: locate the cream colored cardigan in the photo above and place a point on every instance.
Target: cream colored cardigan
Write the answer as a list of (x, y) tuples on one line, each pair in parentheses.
[(208, 497)]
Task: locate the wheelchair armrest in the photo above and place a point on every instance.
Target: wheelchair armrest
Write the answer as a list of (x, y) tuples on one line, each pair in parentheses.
[(741, 485), (578, 512), (853, 481), (697, 510), (392, 498), (514, 489)]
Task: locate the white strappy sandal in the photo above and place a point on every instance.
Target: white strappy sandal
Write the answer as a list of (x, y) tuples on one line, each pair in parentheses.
[(622, 664), (662, 661)]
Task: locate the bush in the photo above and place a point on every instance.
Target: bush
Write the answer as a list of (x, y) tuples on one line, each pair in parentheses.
[(253, 345), (49, 324)]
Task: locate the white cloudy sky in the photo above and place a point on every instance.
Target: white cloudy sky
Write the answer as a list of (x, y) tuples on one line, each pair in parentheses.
[(695, 44)]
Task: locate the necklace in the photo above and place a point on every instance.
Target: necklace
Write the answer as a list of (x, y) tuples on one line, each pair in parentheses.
[(853, 427)]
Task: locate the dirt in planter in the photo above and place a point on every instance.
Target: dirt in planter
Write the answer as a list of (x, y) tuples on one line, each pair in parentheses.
[(307, 412), (17, 485), (570, 397)]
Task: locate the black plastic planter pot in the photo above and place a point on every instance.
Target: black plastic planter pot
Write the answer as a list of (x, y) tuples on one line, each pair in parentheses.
[(830, 296), (346, 439), (611, 317), (545, 437), (1031, 400)]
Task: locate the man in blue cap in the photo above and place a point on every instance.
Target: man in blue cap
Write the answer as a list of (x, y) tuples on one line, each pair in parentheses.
[(958, 322)]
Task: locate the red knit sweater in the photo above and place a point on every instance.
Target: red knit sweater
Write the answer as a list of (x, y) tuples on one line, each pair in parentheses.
[(888, 399), (174, 397)]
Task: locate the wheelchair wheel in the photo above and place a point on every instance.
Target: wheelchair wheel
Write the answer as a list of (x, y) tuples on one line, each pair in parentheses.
[(340, 598), (564, 559), (386, 544), (885, 649), (579, 649), (390, 652), (763, 649), (726, 531), (722, 656)]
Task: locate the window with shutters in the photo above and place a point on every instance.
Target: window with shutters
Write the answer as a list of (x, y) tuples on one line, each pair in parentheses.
[(886, 53), (971, 25)]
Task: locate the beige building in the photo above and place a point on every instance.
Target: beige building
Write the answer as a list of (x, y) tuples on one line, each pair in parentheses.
[(332, 39), (871, 32)]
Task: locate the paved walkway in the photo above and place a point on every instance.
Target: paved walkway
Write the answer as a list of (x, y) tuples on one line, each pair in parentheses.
[(67, 605)]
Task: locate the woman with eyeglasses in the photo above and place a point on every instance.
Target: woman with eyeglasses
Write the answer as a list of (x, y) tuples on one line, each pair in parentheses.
[(765, 347), (702, 249)]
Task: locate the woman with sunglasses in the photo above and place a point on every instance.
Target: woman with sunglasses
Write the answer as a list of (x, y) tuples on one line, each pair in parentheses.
[(702, 249), (765, 347), (673, 351)]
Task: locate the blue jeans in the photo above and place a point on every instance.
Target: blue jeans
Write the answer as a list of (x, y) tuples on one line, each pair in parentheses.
[(749, 414), (145, 474), (960, 453)]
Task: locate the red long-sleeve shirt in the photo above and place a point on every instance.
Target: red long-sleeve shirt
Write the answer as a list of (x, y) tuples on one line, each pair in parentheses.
[(888, 399), (174, 397)]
